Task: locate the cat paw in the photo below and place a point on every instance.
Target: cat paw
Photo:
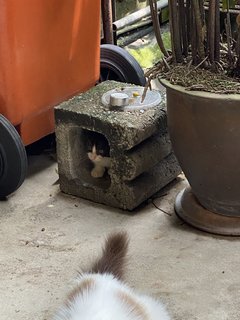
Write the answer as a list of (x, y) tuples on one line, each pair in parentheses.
[(97, 173)]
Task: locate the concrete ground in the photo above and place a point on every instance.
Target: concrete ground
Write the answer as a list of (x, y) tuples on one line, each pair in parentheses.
[(47, 236)]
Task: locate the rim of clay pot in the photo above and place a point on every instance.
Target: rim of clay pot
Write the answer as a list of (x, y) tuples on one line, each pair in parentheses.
[(202, 94)]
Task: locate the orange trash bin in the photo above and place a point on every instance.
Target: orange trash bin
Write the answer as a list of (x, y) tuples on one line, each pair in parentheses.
[(49, 51)]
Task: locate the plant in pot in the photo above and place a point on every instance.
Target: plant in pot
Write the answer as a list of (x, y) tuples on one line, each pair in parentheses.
[(201, 75)]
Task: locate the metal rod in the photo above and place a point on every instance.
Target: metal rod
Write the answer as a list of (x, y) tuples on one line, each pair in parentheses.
[(107, 21), (114, 19), (133, 27), (113, 10), (124, 41), (138, 15)]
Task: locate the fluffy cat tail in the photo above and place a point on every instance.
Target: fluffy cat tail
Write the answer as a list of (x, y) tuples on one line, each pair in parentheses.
[(113, 259)]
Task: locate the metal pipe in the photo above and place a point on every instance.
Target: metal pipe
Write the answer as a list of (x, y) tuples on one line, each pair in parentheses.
[(135, 26), (106, 6), (113, 10), (114, 19), (125, 41), (138, 15)]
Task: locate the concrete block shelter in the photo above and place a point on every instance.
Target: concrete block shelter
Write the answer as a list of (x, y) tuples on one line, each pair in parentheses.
[(142, 161)]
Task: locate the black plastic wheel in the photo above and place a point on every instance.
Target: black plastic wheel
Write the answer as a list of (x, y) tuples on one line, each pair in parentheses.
[(119, 65), (13, 158)]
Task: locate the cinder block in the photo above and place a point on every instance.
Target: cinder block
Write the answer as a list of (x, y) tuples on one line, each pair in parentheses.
[(142, 161)]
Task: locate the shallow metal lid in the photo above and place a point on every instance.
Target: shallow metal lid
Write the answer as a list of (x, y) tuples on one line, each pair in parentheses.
[(130, 99)]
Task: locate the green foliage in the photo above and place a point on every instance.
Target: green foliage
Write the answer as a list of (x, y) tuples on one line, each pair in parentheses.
[(147, 55), (228, 4)]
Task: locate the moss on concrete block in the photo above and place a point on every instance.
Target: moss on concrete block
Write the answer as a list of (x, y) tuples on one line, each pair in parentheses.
[(141, 155)]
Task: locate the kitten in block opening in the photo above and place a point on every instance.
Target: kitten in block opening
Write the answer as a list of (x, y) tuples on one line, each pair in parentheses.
[(101, 294), (98, 151)]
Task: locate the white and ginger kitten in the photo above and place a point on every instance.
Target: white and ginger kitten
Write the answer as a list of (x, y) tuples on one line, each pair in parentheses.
[(100, 294), (100, 162), (98, 152)]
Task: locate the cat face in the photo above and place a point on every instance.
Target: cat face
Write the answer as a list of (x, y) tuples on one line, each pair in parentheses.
[(97, 146), (94, 154)]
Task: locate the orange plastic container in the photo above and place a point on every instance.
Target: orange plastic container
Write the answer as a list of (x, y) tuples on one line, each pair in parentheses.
[(49, 51)]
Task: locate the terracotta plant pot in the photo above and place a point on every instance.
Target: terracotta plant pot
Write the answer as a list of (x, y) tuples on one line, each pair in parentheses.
[(205, 133)]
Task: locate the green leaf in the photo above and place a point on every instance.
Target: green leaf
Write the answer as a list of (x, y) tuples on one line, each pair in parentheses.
[(228, 4)]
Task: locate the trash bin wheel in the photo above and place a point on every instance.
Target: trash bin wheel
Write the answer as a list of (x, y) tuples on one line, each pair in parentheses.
[(13, 158), (119, 65)]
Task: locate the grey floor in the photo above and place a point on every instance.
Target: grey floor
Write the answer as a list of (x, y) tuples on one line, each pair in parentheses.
[(47, 236)]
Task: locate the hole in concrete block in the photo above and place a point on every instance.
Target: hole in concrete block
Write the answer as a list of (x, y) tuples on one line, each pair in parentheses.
[(86, 144)]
